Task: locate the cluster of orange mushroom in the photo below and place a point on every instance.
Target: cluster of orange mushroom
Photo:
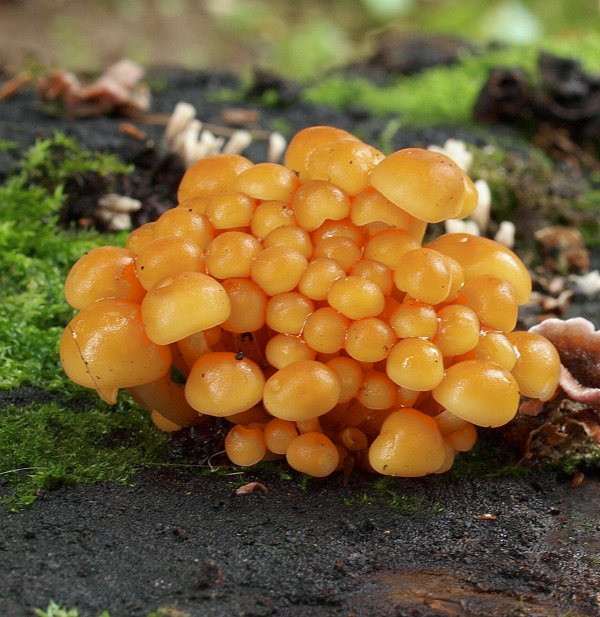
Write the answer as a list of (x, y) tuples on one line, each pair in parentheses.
[(299, 302)]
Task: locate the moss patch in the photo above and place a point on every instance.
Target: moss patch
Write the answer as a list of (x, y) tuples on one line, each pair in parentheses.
[(44, 446), (444, 95), (35, 257), (386, 493)]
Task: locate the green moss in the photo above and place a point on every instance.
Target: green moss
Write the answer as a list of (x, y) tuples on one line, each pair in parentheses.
[(407, 504), (444, 95), (530, 190), (8, 146), (56, 610), (35, 257), (48, 445), (51, 162), (44, 446), (589, 206), (578, 456), (385, 493), (491, 457)]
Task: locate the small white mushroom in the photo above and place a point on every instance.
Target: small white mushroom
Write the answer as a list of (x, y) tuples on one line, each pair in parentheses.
[(181, 117), (120, 222), (277, 146), (119, 203), (457, 151), (185, 145), (114, 221), (103, 215), (481, 215), (453, 226), (506, 234), (586, 284), (212, 143), (238, 142)]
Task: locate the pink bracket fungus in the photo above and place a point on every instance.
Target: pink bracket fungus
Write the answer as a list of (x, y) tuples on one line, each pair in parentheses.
[(578, 345)]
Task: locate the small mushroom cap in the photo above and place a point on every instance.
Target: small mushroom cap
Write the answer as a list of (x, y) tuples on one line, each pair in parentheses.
[(313, 453), (140, 237), (479, 391), (305, 141), (389, 246), (185, 222), (351, 376), (302, 390), (370, 206), (277, 269), (210, 175), (537, 369), (345, 163), (494, 300), (480, 256), (231, 254), (426, 184), (105, 347), (424, 275), (267, 182), (416, 364), (104, 272), (162, 423), (181, 305), (167, 256), (496, 347), (317, 201), (470, 200), (245, 445), (356, 297), (410, 445), (458, 330), (221, 383)]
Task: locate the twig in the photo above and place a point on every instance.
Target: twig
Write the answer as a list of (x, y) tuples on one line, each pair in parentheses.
[(2, 473), (12, 86), (217, 129)]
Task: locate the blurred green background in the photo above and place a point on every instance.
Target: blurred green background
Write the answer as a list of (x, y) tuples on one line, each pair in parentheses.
[(297, 38)]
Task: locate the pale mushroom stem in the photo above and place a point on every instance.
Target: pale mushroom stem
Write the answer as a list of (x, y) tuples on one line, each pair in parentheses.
[(168, 399)]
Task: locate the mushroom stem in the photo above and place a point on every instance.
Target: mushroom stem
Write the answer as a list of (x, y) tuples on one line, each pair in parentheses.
[(168, 399)]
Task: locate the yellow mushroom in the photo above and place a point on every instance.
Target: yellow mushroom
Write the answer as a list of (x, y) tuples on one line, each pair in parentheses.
[(184, 304), (105, 347), (409, 445)]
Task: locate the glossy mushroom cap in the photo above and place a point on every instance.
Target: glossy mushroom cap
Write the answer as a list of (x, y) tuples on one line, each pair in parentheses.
[(105, 347), (428, 185)]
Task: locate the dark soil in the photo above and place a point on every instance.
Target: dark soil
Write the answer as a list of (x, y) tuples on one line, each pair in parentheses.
[(176, 538), (499, 547)]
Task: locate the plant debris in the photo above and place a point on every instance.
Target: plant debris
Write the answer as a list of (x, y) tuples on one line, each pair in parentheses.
[(14, 85), (563, 249), (563, 432), (118, 90), (578, 345), (250, 487), (562, 103)]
